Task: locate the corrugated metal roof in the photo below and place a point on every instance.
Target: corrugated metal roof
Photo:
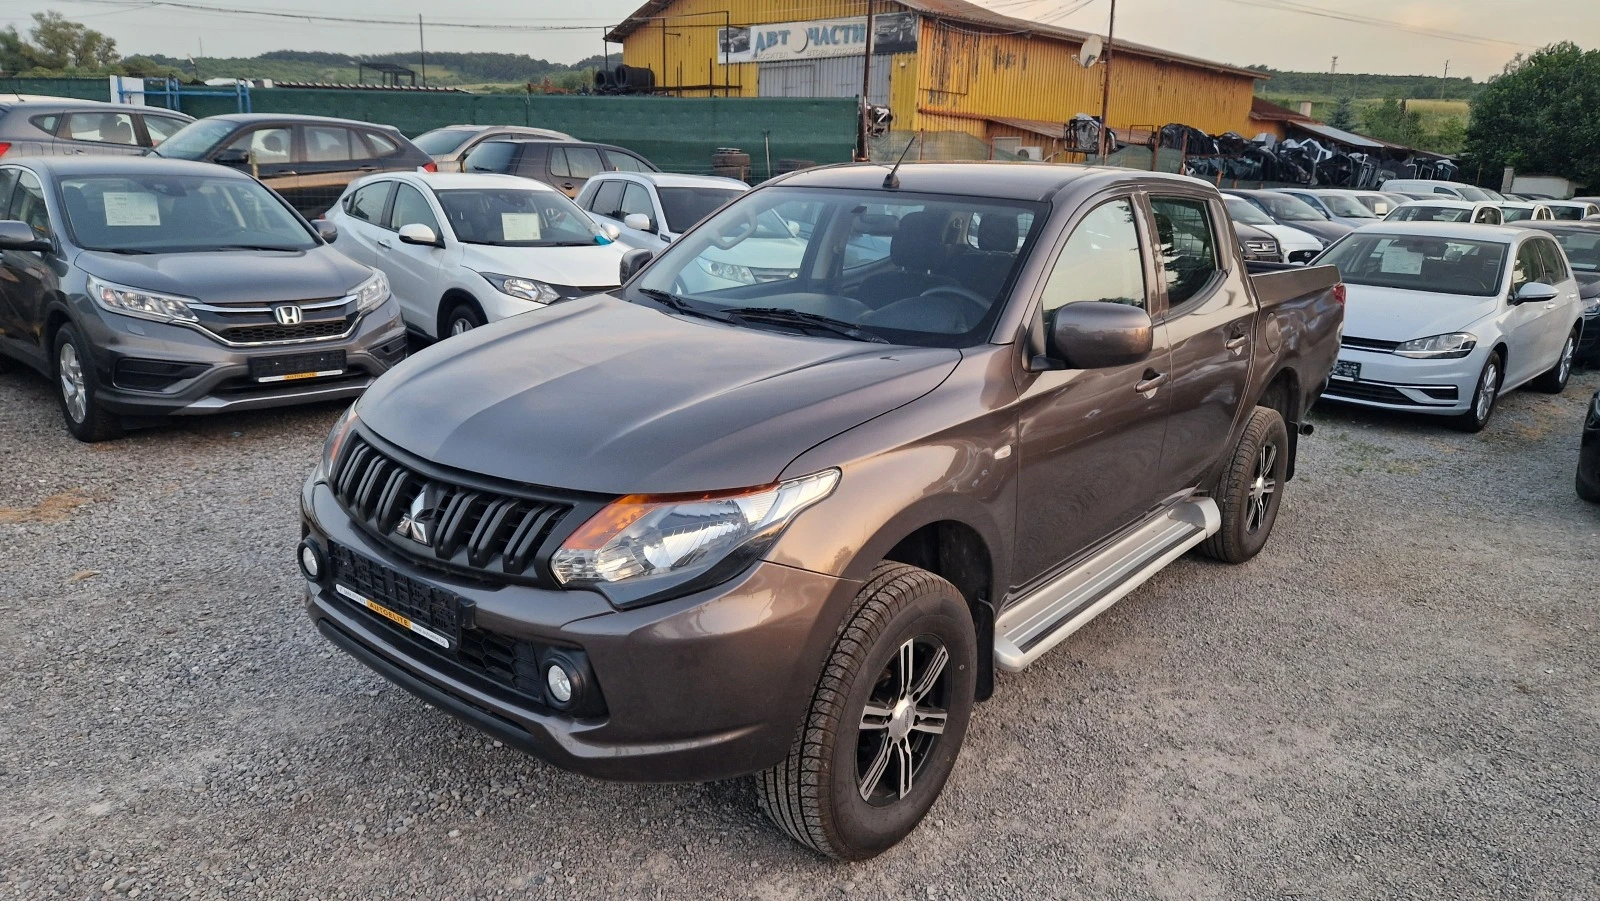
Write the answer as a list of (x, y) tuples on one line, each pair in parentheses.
[(1340, 136), (1271, 112), (972, 14)]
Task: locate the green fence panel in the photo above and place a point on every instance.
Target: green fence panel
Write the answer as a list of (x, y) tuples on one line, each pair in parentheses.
[(76, 88)]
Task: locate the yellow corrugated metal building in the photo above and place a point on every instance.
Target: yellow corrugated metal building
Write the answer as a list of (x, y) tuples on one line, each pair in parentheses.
[(950, 66)]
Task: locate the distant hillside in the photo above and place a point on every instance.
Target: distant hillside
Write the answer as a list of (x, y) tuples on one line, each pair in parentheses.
[(444, 68), (1331, 86)]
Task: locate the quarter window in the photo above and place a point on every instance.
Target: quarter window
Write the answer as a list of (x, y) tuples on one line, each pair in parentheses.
[(381, 146), (1185, 245), (368, 200), (411, 208), (1100, 262), (46, 123), (625, 162)]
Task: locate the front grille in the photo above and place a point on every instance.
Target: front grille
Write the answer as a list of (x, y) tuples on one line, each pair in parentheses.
[(1372, 344), (1261, 250), (1303, 256), (305, 331), (439, 522)]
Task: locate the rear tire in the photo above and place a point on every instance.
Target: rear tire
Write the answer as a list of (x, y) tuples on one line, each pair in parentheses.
[(1251, 489), (886, 720), (1483, 397), (76, 386), (1555, 381), (1587, 490)]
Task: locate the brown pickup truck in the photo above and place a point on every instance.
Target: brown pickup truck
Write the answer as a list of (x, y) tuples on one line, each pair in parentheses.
[(783, 503)]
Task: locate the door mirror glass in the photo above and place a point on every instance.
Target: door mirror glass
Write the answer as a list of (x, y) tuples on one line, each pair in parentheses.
[(326, 230), (1534, 292), (232, 156), (633, 261), (16, 235), (638, 222), (419, 234), (1098, 335)]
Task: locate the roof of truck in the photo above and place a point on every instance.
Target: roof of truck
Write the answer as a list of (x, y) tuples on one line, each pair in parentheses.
[(1010, 181)]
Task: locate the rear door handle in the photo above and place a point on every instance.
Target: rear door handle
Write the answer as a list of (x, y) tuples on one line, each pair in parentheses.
[(367, 169), (1236, 343), (1152, 380)]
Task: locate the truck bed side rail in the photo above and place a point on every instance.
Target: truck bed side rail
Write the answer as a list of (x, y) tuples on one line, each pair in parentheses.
[(1276, 283)]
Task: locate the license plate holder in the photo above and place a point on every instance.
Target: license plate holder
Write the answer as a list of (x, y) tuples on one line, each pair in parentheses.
[(1347, 370), (295, 367)]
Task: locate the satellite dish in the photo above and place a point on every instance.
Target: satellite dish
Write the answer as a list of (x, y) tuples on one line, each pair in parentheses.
[(1091, 51)]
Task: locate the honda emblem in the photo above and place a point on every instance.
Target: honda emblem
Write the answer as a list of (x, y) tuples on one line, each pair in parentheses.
[(288, 314)]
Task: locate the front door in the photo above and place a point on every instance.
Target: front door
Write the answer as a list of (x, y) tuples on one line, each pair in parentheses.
[(1210, 321), (1527, 323), (25, 278), (272, 159), (413, 270), (1090, 439)]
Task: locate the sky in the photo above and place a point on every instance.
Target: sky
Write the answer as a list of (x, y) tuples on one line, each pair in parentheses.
[(1474, 37)]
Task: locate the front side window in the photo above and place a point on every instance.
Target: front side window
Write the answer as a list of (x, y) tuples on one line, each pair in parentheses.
[(27, 205), (490, 156), (103, 128), (635, 199), (1555, 268), (1100, 262), (1186, 246), (411, 208), (266, 145), (1419, 263), (8, 182), (178, 214), (516, 217), (1529, 267), (368, 201), (195, 140), (161, 128), (607, 200)]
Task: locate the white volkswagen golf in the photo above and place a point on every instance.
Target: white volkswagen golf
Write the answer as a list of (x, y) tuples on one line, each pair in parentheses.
[(1443, 318), (464, 250)]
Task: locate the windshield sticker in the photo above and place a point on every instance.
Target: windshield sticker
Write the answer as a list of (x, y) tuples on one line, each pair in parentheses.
[(132, 209), (1399, 261), (519, 226)]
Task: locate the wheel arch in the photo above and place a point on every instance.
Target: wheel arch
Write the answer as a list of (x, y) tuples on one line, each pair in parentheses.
[(451, 299), (1283, 394)]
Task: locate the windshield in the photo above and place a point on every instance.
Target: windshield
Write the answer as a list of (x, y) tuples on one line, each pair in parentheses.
[(178, 214), (1285, 208), (927, 270), (1583, 249), (1427, 213), (195, 140), (684, 207), (1468, 192), (443, 140), (1419, 263), (518, 217), (1240, 210), (1346, 206)]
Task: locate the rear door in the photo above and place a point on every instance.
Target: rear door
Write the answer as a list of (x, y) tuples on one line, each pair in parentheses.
[(1210, 322), (362, 221), (571, 166), (334, 157), (99, 133)]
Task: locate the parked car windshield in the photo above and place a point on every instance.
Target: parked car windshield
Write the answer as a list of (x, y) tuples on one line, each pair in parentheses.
[(1419, 263), (142, 213), (1583, 249), (517, 217), (1240, 210), (1516, 213), (1468, 192), (1348, 207), (443, 140), (683, 207), (195, 140), (929, 270), (1289, 209), (1426, 213)]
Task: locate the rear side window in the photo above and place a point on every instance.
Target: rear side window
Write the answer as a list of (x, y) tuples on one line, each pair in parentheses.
[(608, 199), (575, 162), (1185, 246), (325, 144), (490, 156), (367, 202), (47, 123), (1100, 262), (102, 128), (625, 162)]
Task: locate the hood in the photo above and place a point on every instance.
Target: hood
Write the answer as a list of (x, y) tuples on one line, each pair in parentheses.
[(1588, 284), (603, 395), (233, 276), (1393, 314), (1291, 238), (589, 266)]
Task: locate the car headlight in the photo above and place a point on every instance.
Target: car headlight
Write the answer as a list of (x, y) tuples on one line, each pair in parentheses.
[(331, 448), (372, 292), (643, 535), (140, 303), (1439, 347), (522, 288), (1591, 305), (727, 271)]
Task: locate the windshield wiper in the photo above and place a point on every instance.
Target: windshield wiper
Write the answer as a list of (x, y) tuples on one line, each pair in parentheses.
[(252, 247), (679, 305), (802, 319)]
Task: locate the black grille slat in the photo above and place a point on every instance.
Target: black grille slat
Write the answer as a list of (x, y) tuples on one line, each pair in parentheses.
[(491, 527), (1368, 344), (457, 522), (393, 497), (305, 331), (366, 493), (527, 537), (355, 465)]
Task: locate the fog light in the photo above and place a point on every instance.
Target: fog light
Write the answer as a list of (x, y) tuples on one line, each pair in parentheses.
[(311, 561), (559, 682)]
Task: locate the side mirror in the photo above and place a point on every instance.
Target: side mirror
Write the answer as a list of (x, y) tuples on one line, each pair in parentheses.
[(16, 235), (638, 222), (1534, 292), (420, 235), (612, 231), (232, 156), (633, 261), (326, 230), (1099, 335)]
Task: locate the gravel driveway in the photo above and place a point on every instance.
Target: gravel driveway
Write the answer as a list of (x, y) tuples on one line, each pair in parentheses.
[(1399, 698)]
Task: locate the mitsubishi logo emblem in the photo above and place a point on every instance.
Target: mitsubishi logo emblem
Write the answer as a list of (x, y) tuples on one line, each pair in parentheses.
[(415, 522), (288, 314)]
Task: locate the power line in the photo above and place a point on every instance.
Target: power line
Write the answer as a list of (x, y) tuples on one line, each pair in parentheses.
[(1324, 13), (499, 25)]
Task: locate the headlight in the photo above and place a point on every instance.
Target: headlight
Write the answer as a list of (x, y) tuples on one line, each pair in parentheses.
[(1439, 347), (372, 292), (727, 271), (644, 535), (522, 288), (141, 303), (1591, 305), (342, 430)]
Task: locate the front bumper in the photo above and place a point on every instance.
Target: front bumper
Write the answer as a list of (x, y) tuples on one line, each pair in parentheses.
[(709, 686), (1589, 340), (1390, 382), (216, 377)]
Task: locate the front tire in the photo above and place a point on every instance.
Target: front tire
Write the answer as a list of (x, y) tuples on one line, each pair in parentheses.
[(1251, 489), (1483, 397), (1555, 381), (886, 720), (463, 317), (76, 386)]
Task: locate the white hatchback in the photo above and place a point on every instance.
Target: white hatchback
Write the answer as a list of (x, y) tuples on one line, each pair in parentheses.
[(464, 250), (1443, 318)]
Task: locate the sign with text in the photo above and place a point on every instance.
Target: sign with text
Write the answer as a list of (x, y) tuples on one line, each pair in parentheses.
[(896, 33)]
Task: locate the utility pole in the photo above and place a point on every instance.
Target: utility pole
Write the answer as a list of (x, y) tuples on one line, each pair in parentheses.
[(866, 88), (1105, 94), (422, 44), (1334, 66)]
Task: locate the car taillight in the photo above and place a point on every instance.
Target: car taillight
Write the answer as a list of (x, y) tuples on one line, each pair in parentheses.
[(4, 147), (430, 166), (1338, 293)]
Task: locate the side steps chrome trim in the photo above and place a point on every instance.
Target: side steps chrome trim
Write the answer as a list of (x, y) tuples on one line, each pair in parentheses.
[(1043, 619)]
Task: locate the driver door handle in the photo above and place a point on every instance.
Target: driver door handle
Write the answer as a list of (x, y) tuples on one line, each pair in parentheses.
[(1151, 381), (382, 243), (1236, 343)]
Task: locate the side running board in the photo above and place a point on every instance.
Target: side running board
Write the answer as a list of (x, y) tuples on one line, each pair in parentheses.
[(1043, 619)]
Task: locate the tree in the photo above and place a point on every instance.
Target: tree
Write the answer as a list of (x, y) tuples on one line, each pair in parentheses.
[(62, 44), (1392, 121), (1343, 115), (1541, 116)]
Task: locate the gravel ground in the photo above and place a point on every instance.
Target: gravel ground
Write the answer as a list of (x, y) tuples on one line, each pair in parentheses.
[(1397, 699)]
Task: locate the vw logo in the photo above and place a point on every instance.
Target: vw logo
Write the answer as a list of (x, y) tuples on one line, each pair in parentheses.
[(288, 314), (416, 522)]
